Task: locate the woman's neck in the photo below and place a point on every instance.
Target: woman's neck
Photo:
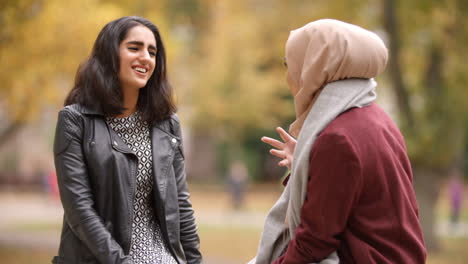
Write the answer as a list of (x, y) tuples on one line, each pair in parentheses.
[(130, 99)]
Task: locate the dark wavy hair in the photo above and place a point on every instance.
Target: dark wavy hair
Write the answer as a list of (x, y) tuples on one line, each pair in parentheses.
[(97, 84)]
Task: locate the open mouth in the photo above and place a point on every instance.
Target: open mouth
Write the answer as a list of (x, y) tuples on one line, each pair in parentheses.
[(140, 69)]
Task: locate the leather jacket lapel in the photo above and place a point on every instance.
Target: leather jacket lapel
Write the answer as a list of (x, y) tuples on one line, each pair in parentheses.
[(164, 145), (117, 142)]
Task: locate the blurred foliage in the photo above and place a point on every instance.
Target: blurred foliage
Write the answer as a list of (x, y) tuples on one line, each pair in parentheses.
[(41, 46), (241, 85), (225, 60), (433, 37)]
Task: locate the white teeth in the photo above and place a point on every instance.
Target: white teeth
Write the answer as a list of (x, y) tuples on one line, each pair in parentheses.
[(142, 70)]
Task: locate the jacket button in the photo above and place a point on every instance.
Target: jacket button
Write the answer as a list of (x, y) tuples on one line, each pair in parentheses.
[(174, 140), (93, 143)]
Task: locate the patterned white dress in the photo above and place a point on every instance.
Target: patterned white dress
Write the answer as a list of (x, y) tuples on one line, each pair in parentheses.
[(147, 245)]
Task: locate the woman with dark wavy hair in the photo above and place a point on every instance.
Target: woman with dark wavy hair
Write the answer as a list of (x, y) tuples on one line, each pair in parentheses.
[(119, 159)]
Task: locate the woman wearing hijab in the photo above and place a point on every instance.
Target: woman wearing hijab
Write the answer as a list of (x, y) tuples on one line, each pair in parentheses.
[(349, 197)]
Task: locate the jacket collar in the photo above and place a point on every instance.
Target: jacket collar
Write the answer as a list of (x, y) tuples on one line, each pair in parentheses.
[(85, 110), (164, 146), (90, 111)]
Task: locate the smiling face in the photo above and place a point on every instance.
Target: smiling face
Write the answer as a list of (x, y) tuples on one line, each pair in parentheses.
[(137, 53)]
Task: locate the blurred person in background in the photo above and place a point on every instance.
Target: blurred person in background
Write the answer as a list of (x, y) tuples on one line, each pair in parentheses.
[(50, 185), (237, 181), (349, 197), (456, 187), (119, 159)]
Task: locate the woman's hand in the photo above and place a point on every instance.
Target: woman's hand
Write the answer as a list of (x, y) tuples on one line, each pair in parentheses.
[(285, 150)]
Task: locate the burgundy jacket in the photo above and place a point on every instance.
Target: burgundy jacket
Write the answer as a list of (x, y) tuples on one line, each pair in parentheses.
[(360, 200)]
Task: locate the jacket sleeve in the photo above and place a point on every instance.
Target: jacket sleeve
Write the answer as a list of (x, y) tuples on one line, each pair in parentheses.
[(76, 191), (332, 191), (188, 229)]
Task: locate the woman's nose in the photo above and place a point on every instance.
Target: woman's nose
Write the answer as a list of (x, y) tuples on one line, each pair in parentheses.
[(145, 56)]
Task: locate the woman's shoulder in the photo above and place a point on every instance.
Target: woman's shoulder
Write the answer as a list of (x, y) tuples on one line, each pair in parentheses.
[(175, 118), (171, 124), (175, 124), (74, 115), (73, 108), (70, 111), (79, 110)]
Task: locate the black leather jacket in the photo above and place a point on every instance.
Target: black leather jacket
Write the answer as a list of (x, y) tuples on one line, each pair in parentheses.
[(96, 175)]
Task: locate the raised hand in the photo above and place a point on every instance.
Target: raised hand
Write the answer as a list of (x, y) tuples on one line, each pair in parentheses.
[(284, 150)]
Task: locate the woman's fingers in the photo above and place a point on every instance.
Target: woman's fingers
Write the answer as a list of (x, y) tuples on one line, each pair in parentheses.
[(273, 142), (284, 150), (284, 163), (284, 135), (278, 153)]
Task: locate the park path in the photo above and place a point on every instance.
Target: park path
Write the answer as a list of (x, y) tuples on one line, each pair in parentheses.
[(32, 220)]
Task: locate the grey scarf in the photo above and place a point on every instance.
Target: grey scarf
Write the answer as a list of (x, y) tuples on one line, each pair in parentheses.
[(284, 216)]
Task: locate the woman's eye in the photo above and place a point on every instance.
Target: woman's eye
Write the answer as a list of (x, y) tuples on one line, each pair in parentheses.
[(133, 48), (152, 53)]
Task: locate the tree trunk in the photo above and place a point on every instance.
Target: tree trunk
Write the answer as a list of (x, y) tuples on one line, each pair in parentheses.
[(426, 181), (394, 67), (427, 187)]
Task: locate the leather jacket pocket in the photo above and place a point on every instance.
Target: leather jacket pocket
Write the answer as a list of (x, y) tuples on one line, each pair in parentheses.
[(86, 256)]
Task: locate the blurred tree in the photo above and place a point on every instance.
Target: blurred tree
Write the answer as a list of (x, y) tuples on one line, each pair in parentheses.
[(41, 45), (11, 11), (429, 78), (240, 91), (239, 87)]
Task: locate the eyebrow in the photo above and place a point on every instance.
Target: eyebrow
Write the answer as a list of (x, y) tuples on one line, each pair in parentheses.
[(139, 43)]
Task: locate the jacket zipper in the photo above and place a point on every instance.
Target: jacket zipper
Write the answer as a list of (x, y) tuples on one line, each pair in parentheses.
[(132, 189), (132, 197), (163, 223)]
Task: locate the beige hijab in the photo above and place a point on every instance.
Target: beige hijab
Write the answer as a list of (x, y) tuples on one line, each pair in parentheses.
[(318, 55), (328, 50)]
